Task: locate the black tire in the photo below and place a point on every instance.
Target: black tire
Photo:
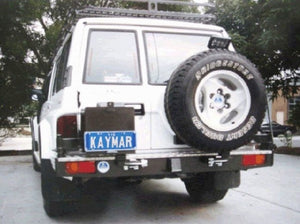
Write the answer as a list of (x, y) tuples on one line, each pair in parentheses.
[(124, 182), (60, 195), (197, 115), (36, 166), (34, 146), (201, 189), (58, 208)]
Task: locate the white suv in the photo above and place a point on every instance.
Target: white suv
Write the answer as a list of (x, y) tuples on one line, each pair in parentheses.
[(147, 98)]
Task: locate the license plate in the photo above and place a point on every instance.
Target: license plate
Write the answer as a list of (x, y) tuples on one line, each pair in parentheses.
[(109, 140)]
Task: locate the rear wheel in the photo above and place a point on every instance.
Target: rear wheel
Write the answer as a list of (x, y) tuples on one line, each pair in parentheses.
[(60, 195), (122, 182), (202, 189), (57, 208), (34, 148), (36, 166)]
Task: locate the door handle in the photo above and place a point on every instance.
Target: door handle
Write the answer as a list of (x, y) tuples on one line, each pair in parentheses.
[(139, 108)]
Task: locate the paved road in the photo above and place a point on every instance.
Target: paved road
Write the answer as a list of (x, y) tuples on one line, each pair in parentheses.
[(268, 195)]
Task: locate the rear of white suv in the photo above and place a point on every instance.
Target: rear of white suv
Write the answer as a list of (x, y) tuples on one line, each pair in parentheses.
[(127, 62), (104, 116)]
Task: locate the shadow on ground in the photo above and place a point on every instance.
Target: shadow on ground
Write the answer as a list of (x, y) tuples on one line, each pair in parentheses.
[(288, 151), (146, 199)]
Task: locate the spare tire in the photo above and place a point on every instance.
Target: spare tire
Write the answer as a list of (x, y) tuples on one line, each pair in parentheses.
[(215, 101)]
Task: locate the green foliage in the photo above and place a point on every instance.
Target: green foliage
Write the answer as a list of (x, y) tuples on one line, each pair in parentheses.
[(294, 117), (26, 52), (21, 59), (268, 33)]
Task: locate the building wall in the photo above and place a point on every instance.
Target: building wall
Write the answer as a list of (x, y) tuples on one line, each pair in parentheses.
[(280, 110)]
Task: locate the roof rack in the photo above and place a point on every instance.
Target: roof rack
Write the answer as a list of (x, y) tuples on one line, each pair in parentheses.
[(152, 12)]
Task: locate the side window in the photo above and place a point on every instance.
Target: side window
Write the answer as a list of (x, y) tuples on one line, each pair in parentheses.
[(60, 70), (46, 84), (165, 51)]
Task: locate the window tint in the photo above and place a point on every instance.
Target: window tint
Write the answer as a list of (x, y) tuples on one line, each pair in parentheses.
[(60, 70), (112, 58), (165, 51)]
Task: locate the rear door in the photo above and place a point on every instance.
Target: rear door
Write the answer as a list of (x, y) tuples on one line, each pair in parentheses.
[(113, 72)]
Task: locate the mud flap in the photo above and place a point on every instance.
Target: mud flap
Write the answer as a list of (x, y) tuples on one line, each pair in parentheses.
[(56, 188), (227, 179)]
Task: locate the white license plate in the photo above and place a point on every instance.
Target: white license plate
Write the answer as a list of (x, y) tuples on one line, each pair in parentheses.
[(109, 140)]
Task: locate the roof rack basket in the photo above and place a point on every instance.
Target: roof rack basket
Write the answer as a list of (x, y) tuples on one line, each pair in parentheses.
[(152, 12)]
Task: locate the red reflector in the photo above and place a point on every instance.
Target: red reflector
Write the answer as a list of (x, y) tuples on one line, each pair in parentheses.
[(67, 126), (252, 160), (80, 167)]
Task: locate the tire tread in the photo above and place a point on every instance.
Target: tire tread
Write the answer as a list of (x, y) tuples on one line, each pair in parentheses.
[(174, 103)]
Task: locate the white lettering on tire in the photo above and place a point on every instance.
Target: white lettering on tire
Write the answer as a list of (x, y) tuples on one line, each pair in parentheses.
[(206, 131), (223, 63), (246, 128), (220, 137)]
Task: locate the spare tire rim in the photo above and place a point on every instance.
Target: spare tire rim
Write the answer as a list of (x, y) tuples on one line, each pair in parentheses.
[(222, 100)]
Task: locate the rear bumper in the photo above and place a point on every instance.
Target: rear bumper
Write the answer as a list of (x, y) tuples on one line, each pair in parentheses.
[(162, 163)]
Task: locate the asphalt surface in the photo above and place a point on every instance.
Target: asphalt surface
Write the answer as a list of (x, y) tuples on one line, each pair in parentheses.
[(268, 195)]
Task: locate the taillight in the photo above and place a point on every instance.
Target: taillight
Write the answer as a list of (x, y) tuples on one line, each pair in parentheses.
[(252, 160), (67, 126), (80, 167)]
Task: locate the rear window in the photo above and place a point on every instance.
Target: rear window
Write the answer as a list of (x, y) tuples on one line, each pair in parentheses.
[(112, 58), (165, 51)]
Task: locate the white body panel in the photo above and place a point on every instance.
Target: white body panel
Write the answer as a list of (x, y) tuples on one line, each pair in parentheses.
[(153, 130)]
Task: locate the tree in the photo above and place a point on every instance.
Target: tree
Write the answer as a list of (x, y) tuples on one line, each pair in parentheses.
[(294, 117), (268, 33), (17, 44), (30, 30), (29, 33)]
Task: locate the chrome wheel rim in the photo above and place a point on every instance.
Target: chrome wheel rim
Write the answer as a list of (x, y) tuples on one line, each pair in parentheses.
[(222, 100)]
